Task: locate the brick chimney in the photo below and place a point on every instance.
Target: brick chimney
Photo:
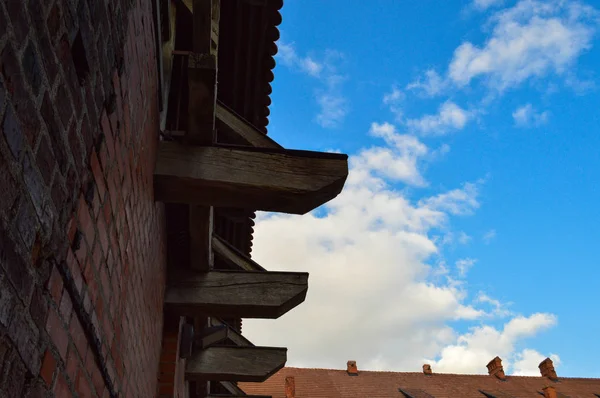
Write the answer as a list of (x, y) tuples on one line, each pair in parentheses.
[(427, 369), (547, 369), (352, 369), (550, 392), (290, 387), (495, 368)]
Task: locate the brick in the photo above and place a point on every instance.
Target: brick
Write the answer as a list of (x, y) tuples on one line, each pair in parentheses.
[(66, 307), (63, 105), (48, 57), (7, 302), (25, 338), (3, 23), (48, 368), (75, 144), (85, 221), (58, 144), (38, 309), (57, 333), (55, 285), (76, 270), (72, 364), (9, 187), (13, 134), (54, 21), (78, 336), (15, 268), (26, 223), (32, 68), (16, 376), (61, 388), (35, 187), (98, 176), (45, 159), (19, 20), (87, 137), (36, 390)]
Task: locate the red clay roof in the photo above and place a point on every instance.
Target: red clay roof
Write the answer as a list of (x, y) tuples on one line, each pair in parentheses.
[(329, 383)]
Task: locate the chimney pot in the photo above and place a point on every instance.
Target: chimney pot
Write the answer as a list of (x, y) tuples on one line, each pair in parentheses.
[(547, 369), (550, 392), (352, 369), (495, 368), (427, 369), (290, 387)]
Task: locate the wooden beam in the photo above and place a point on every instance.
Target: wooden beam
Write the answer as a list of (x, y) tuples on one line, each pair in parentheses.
[(232, 335), (213, 335), (232, 388), (277, 180), (243, 130), (202, 80), (233, 256), (201, 229), (243, 294), (253, 364)]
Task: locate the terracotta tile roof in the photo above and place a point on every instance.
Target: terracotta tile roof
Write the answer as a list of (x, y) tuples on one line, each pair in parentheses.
[(329, 383)]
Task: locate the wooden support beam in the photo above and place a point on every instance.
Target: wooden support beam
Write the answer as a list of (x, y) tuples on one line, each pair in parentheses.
[(253, 364), (231, 388), (244, 131), (201, 230), (233, 256), (213, 335), (240, 294), (202, 80), (277, 180), (232, 335)]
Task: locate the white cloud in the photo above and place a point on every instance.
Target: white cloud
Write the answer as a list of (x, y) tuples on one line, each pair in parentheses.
[(333, 109), (373, 296), (489, 236), (460, 201), (393, 100), (449, 117), (485, 4), (333, 106), (430, 85), (530, 40), (527, 116), (527, 362), (287, 54), (463, 238), (473, 350), (463, 265)]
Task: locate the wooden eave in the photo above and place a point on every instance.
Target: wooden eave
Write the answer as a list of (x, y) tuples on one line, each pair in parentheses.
[(244, 294)]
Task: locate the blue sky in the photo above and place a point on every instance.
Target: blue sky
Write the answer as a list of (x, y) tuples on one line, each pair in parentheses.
[(469, 224)]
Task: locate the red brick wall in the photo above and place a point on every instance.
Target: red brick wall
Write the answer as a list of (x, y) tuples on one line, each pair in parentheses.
[(82, 246)]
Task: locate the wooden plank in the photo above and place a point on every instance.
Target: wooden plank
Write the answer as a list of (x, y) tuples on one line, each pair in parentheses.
[(213, 335), (277, 180), (252, 364), (244, 130), (233, 256), (201, 229), (202, 81), (243, 294), (232, 335), (232, 388)]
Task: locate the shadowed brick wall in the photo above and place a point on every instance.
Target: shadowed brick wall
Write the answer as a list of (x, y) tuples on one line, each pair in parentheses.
[(82, 246)]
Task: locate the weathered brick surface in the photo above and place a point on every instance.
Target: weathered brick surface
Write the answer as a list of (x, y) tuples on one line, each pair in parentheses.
[(82, 249)]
